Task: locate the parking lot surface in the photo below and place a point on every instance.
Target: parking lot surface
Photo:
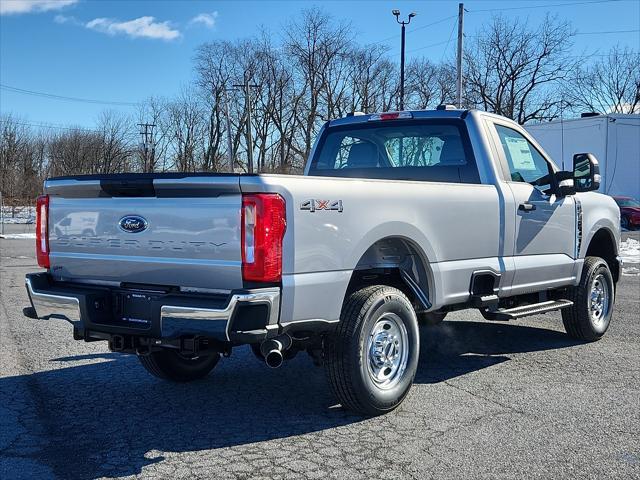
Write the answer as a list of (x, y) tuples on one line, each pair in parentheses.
[(490, 400)]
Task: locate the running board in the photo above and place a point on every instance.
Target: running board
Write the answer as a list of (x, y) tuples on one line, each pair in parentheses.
[(505, 314)]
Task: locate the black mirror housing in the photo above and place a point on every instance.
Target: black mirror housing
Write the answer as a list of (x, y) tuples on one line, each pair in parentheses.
[(586, 172)]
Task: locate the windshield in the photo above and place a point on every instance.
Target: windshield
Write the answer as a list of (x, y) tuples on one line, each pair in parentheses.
[(400, 150), (627, 202)]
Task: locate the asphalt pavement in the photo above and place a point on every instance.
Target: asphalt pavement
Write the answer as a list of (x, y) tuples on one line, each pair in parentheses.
[(490, 400)]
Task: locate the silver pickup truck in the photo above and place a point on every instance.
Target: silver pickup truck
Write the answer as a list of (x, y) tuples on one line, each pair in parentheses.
[(400, 218)]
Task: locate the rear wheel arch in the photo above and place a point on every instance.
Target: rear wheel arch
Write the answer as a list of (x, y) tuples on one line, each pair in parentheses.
[(396, 261), (602, 244)]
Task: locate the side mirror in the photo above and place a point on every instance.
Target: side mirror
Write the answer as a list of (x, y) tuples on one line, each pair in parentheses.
[(586, 172), (565, 184)]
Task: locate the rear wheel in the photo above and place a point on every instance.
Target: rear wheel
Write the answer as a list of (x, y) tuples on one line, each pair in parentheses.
[(170, 365), (372, 358), (593, 299)]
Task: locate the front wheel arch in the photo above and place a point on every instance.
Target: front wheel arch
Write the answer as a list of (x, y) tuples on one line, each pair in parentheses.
[(603, 245)]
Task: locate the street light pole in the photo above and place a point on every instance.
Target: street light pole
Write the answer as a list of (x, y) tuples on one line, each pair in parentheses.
[(396, 13)]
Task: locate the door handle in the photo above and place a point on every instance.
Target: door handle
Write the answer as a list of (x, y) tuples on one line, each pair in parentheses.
[(526, 207)]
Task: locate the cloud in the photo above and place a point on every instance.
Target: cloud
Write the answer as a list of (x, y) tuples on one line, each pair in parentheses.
[(143, 27), (8, 7), (66, 19), (206, 19)]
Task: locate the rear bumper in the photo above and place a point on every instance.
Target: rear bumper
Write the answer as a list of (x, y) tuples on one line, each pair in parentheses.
[(242, 316)]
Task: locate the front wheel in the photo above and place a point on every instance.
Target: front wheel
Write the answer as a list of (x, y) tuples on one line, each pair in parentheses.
[(170, 365), (593, 298), (372, 357)]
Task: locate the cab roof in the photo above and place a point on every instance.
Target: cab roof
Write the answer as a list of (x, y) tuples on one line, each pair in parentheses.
[(415, 114)]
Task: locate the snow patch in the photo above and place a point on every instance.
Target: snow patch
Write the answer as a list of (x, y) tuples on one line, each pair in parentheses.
[(630, 250), (18, 215), (18, 236), (630, 254)]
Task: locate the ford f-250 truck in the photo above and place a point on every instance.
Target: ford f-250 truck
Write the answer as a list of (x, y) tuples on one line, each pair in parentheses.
[(399, 218)]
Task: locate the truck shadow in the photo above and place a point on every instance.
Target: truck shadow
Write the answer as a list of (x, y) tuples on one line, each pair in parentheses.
[(452, 349), (110, 418)]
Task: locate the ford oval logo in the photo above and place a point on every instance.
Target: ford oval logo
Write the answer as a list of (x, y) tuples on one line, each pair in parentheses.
[(132, 224)]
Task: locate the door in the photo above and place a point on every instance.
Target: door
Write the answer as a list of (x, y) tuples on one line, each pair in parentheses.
[(544, 236)]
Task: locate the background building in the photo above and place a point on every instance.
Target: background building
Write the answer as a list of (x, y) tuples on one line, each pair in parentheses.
[(614, 139)]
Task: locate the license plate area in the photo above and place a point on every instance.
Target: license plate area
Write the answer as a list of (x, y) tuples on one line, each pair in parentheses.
[(133, 310)]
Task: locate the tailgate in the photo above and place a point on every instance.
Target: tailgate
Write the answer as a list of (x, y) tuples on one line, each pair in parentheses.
[(165, 230)]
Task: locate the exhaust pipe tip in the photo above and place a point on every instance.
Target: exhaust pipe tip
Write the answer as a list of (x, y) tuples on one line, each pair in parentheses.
[(272, 351), (274, 358)]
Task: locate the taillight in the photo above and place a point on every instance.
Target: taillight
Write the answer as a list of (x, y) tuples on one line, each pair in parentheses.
[(263, 226), (42, 230)]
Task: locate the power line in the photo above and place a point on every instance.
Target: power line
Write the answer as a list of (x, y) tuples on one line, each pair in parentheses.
[(52, 96), (578, 33), (428, 46), (48, 125), (589, 55), (542, 6), (607, 31), (432, 24), (415, 29), (444, 50)]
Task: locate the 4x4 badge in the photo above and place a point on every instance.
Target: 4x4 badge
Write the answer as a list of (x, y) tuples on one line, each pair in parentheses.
[(313, 205)]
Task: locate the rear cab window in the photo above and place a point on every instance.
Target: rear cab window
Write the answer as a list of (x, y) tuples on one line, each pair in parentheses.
[(417, 149)]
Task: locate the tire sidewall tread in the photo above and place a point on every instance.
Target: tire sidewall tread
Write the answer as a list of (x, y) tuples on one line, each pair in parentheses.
[(577, 318), (345, 358)]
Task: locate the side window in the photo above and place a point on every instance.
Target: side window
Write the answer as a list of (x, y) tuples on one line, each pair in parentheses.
[(525, 163)]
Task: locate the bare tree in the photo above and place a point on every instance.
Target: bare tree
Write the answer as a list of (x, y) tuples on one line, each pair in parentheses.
[(153, 110), (515, 71), (185, 128), (610, 85), (370, 75), (115, 147), (22, 159), (429, 85), (314, 45)]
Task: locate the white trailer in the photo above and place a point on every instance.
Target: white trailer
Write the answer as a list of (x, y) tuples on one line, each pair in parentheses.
[(614, 139)]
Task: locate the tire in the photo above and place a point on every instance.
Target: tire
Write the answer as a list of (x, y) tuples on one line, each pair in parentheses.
[(170, 365), (589, 318), (431, 319), (352, 361)]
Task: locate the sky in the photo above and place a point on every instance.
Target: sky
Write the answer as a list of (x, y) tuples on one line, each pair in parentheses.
[(125, 51)]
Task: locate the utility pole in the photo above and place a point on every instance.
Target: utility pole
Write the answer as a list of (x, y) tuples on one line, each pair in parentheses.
[(396, 13), (246, 86), (146, 131), (229, 139), (459, 58)]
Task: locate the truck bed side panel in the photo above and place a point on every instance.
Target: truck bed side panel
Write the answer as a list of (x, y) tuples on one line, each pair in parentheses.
[(447, 222)]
